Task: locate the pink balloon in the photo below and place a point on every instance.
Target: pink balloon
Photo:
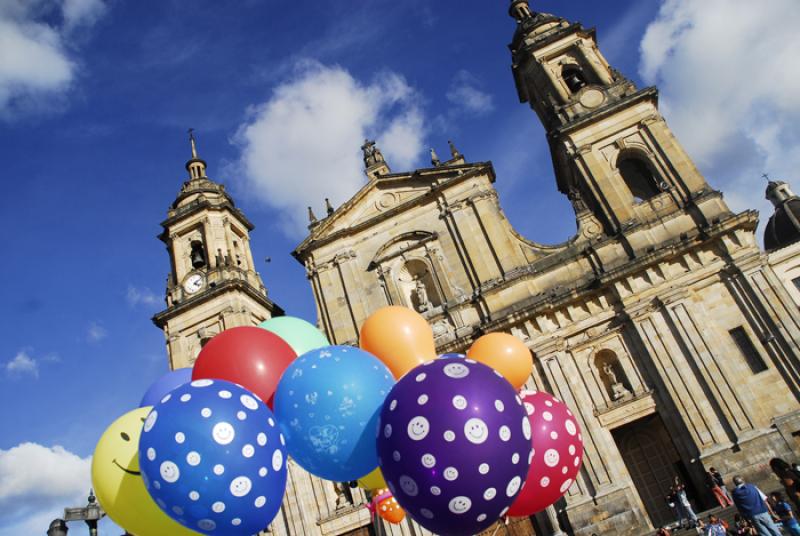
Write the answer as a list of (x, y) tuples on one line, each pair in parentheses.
[(556, 457)]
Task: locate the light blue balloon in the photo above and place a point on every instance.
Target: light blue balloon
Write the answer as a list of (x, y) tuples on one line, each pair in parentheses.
[(327, 404)]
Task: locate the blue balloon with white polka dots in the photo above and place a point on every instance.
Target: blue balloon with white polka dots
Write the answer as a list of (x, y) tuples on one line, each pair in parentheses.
[(213, 458)]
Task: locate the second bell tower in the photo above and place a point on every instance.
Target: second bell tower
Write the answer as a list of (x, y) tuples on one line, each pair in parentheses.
[(213, 284), (611, 147)]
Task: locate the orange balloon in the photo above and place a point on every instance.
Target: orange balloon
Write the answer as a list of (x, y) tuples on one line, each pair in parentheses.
[(389, 510), (506, 354), (399, 337)]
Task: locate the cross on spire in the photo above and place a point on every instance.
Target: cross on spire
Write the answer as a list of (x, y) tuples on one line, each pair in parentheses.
[(191, 140)]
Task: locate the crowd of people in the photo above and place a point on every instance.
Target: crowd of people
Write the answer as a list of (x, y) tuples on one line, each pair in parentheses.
[(757, 513)]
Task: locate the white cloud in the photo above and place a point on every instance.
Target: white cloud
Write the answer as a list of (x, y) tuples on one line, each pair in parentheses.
[(36, 483), (82, 12), (730, 85), (36, 63), (144, 295), (23, 364), (95, 332), (302, 145), (466, 94)]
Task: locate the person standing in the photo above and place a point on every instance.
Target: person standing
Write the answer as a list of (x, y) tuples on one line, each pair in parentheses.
[(716, 485), (752, 504), (720, 482), (683, 506), (785, 514)]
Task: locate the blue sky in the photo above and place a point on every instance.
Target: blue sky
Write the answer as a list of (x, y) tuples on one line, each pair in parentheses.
[(96, 97)]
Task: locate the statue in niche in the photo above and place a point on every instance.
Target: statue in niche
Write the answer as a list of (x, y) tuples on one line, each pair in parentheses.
[(422, 295), (575, 197), (618, 390)]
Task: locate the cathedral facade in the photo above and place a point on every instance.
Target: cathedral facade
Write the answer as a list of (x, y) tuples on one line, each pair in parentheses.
[(671, 335)]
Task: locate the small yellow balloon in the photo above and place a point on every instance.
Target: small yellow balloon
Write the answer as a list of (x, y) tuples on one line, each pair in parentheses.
[(372, 481), (398, 336), (118, 481), (506, 354)]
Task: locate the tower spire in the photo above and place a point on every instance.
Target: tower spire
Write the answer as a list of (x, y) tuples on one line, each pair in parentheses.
[(196, 166), (435, 158)]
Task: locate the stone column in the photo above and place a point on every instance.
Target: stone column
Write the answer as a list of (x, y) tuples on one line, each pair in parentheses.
[(716, 381), (228, 241), (669, 363), (384, 279), (611, 197), (446, 214), (249, 253), (490, 226), (560, 373), (478, 253), (319, 297), (343, 264), (339, 315)]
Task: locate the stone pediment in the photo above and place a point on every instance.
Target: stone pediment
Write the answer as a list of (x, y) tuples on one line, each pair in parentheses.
[(386, 196), (380, 200)]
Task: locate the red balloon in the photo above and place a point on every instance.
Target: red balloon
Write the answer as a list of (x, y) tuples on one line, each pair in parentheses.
[(250, 356), (556, 456)]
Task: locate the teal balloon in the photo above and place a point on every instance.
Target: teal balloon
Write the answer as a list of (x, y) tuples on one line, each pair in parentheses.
[(327, 405), (299, 334)]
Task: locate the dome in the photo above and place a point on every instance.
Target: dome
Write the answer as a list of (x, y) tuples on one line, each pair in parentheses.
[(783, 227)]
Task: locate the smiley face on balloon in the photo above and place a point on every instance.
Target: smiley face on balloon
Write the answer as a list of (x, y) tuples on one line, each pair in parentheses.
[(418, 428), (118, 484)]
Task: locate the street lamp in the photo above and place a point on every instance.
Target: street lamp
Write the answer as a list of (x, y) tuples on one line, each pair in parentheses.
[(91, 514), (58, 527)]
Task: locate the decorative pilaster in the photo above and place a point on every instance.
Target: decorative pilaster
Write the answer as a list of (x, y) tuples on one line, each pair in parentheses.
[(668, 359)]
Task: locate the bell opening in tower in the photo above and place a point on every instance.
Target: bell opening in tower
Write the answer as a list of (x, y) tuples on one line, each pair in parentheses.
[(574, 78), (198, 255)]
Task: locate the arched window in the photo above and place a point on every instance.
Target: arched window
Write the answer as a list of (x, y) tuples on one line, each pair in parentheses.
[(573, 77), (639, 177)]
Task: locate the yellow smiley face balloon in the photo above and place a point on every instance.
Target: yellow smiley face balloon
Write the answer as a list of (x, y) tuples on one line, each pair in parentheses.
[(118, 482)]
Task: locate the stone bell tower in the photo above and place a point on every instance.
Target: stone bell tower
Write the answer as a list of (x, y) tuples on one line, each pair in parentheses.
[(213, 284), (611, 148)]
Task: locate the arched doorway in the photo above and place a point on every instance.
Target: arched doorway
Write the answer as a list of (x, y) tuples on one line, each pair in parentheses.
[(653, 462)]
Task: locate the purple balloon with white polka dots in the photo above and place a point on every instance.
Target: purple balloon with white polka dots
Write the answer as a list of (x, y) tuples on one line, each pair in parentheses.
[(213, 458), (454, 445)]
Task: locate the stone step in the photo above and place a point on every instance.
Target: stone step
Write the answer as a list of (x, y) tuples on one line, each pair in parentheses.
[(723, 513)]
